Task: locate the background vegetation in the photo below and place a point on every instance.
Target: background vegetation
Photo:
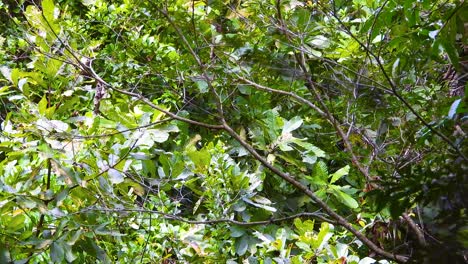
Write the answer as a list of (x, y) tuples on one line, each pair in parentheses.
[(242, 131)]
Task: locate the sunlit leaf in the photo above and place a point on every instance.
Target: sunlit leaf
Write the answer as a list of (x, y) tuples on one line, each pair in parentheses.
[(339, 173), (17, 222), (48, 9), (320, 42), (292, 124), (42, 106), (115, 176), (259, 205)]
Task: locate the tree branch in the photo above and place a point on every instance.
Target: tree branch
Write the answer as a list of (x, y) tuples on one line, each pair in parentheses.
[(218, 221), (291, 94), (339, 219), (419, 234), (151, 104), (298, 185)]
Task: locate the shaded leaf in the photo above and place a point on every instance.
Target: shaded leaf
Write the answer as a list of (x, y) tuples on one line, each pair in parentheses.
[(242, 245), (57, 253), (343, 197), (202, 86)]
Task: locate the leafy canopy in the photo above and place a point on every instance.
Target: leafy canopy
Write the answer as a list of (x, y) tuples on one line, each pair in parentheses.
[(232, 131)]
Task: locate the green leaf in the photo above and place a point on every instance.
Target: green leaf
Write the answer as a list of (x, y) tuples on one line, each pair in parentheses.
[(320, 42), (5, 256), (100, 253), (259, 205), (150, 136), (69, 256), (302, 17), (343, 197), (17, 222), (395, 68), (47, 113), (57, 253), (34, 16), (309, 147), (76, 235), (53, 67), (304, 246), (41, 244), (292, 125), (242, 245), (261, 200), (115, 176), (158, 135), (304, 227), (324, 231), (48, 9), (89, 2), (104, 184), (6, 72), (61, 196), (52, 125), (42, 106), (367, 260), (309, 159), (237, 231), (102, 230), (202, 86), (201, 158), (339, 173), (320, 171), (318, 152)]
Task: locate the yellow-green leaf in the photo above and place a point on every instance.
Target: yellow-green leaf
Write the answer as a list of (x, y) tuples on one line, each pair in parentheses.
[(42, 106)]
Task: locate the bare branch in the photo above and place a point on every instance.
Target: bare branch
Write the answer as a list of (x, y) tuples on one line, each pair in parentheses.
[(293, 95), (419, 234)]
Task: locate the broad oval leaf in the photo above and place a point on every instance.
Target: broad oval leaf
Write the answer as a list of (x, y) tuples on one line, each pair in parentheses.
[(320, 42), (237, 231), (57, 253), (202, 86), (242, 245), (158, 135), (115, 176), (292, 124)]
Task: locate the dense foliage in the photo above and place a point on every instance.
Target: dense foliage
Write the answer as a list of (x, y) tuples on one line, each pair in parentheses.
[(242, 131)]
